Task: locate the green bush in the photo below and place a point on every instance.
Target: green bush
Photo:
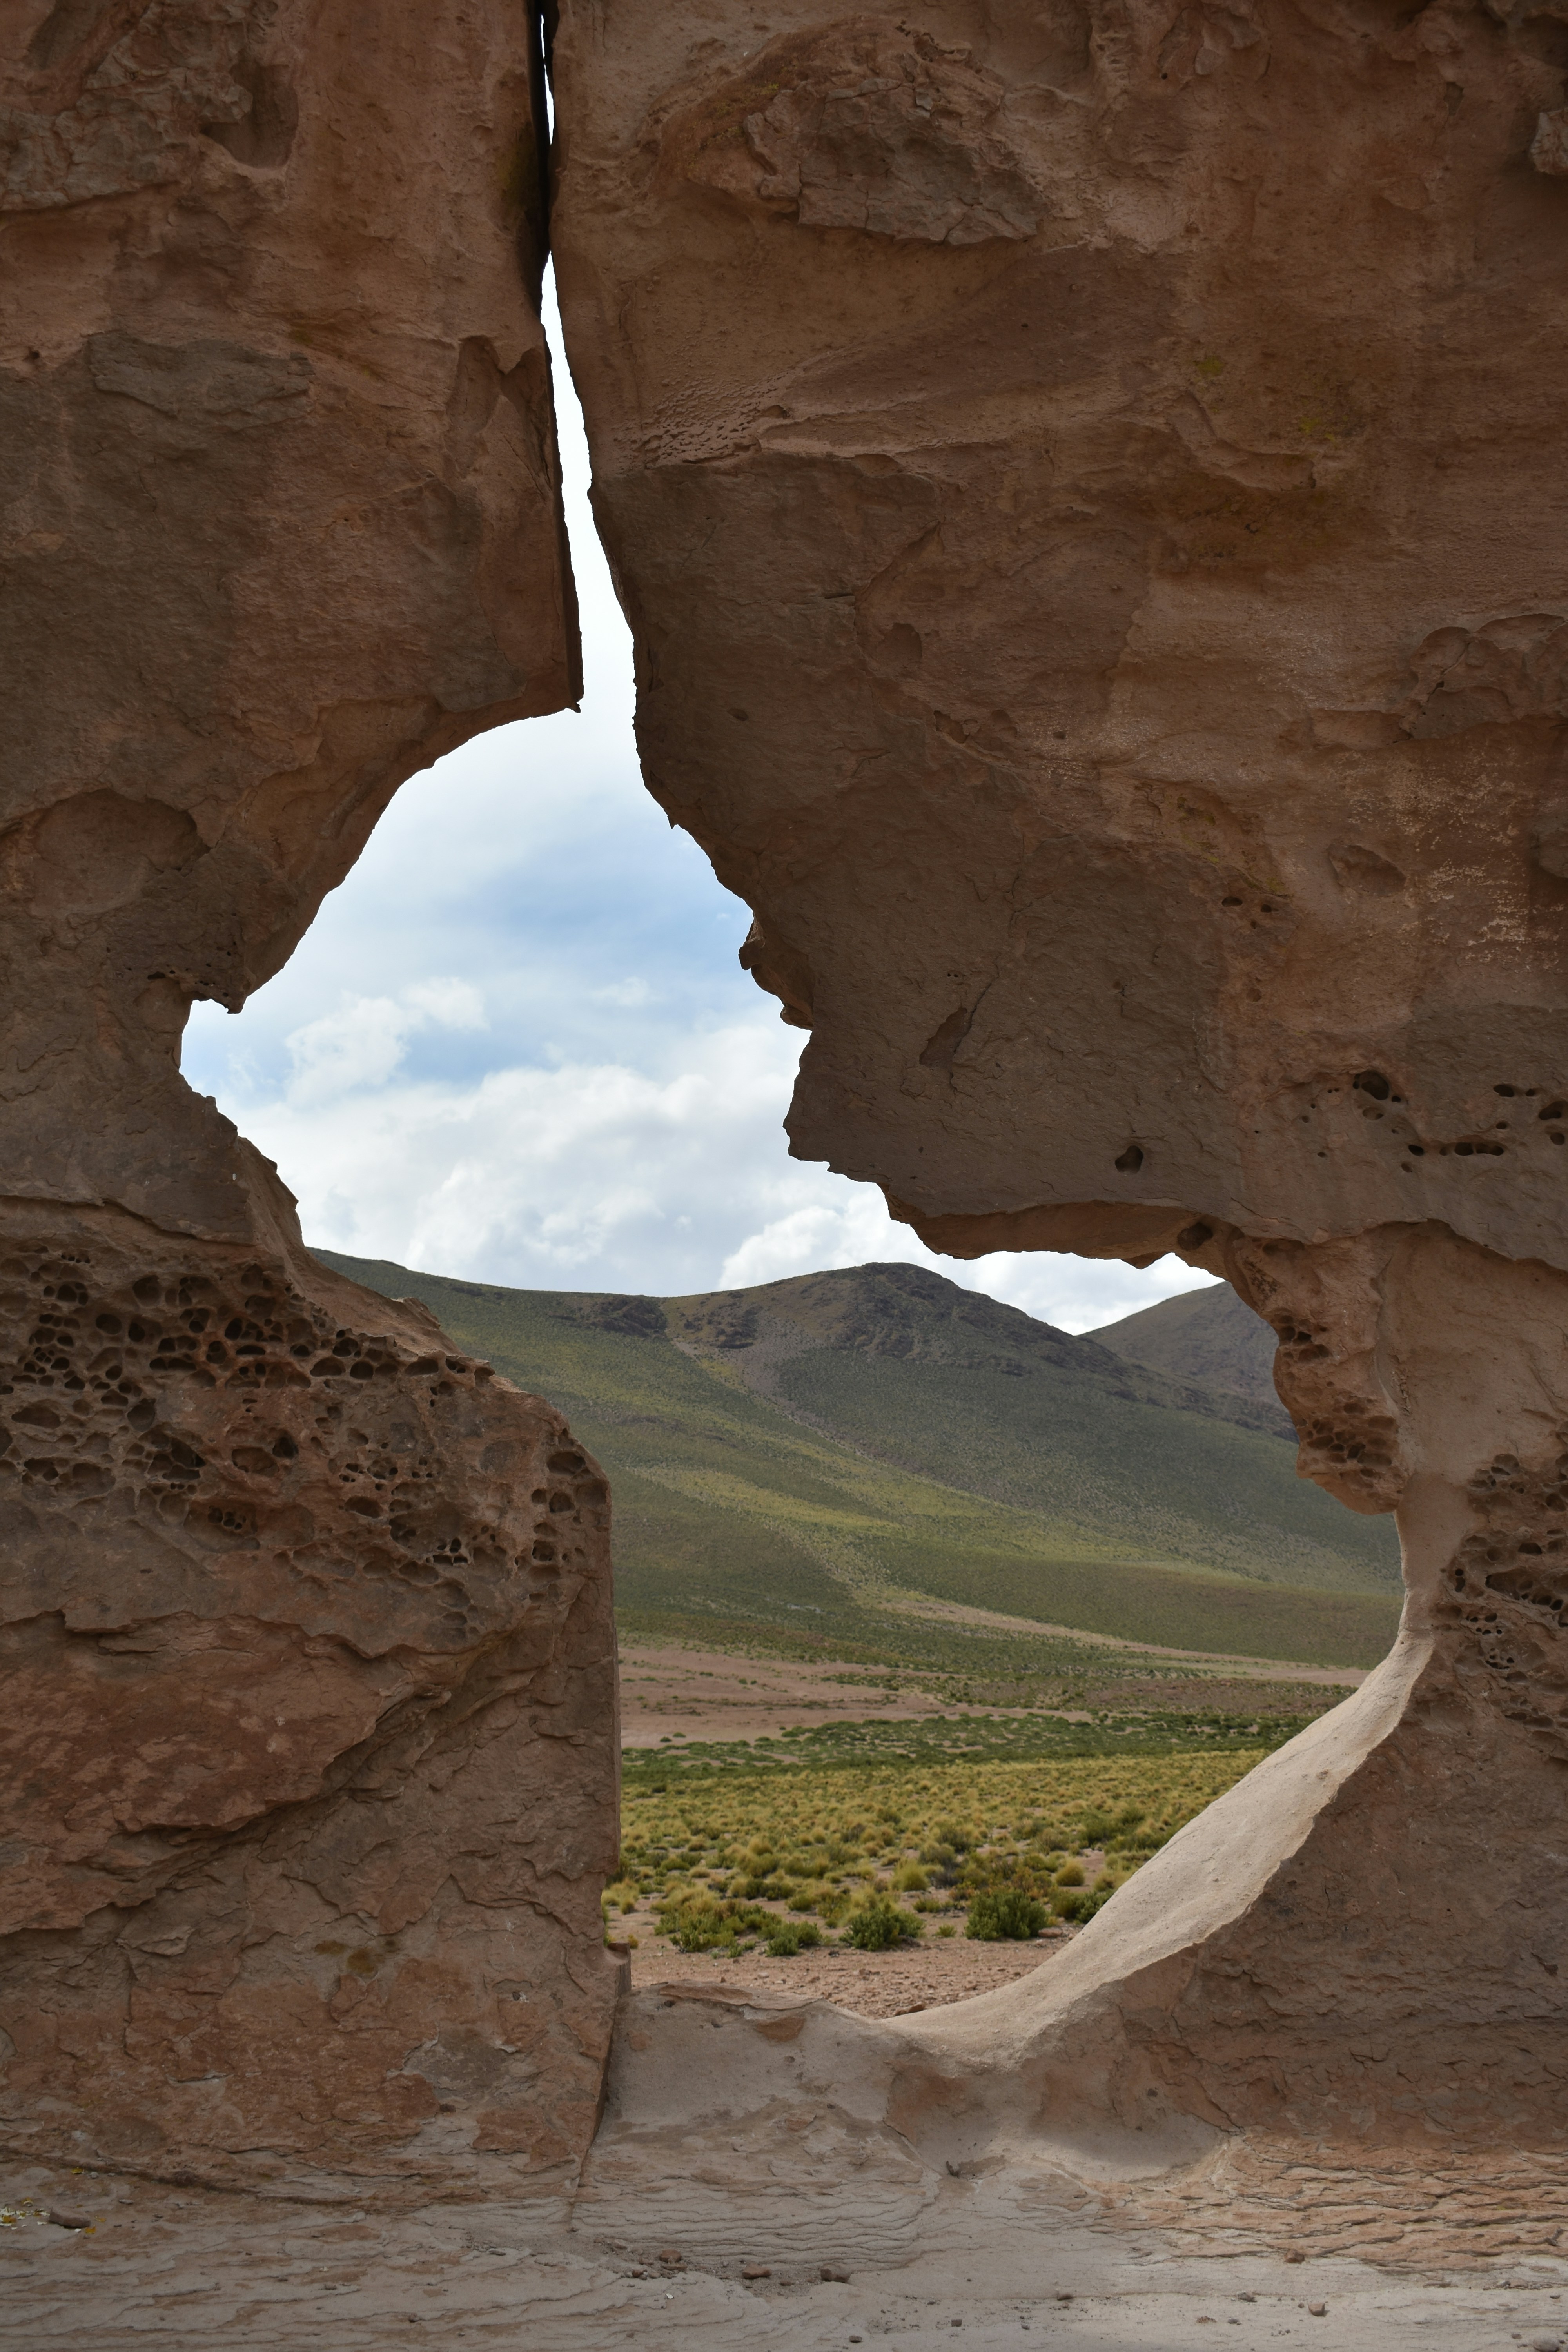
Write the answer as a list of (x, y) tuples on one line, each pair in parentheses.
[(879, 1925), (700, 1924), (1102, 1828), (1005, 1915), (791, 1935), (910, 1879), (1081, 1902), (1071, 1877), (831, 1904)]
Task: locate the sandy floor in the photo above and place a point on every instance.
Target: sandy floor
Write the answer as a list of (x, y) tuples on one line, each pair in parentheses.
[(667, 1691), (869, 1984), (196, 2271), (707, 1695)]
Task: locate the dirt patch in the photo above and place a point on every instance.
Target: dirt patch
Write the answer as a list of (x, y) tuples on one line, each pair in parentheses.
[(671, 1692), (868, 1984), (709, 1695)]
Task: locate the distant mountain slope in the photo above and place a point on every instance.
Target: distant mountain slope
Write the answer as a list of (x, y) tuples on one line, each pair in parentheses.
[(821, 1451), (1208, 1337)]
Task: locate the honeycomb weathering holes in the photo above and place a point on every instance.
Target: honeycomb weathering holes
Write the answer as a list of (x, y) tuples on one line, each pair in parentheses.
[(144, 1394)]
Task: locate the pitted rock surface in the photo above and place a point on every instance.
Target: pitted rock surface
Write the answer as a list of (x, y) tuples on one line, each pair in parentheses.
[(309, 1669)]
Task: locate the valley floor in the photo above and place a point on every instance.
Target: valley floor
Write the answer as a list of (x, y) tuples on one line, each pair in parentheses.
[(670, 1691), (868, 1984)]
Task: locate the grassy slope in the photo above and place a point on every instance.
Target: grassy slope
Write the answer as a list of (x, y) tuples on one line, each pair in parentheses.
[(731, 1514), (1159, 1485), (1202, 1335)]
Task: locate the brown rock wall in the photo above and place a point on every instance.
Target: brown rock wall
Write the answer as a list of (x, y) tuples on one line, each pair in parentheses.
[(309, 1746), (308, 1692), (309, 1672), (1083, 480), (1115, 643), (277, 464)]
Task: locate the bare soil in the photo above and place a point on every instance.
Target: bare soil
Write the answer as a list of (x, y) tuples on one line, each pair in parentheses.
[(707, 1695), (868, 1984), (668, 1692)]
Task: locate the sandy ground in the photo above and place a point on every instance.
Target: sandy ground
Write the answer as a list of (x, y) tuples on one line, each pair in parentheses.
[(200, 2271), (709, 1695), (668, 1692), (868, 1984)]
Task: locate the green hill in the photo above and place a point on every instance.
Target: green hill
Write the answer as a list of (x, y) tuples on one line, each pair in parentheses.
[(1209, 1337), (852, 1456)]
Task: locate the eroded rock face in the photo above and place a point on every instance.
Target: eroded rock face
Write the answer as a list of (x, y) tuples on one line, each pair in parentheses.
[(283, 524), (310, 1754), (308, 1672), (1082, 480), (1094, 588)]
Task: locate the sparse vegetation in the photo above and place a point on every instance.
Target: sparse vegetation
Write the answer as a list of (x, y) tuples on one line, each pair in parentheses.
[(1005, 1913), (1005, 1842), (878, 1923)]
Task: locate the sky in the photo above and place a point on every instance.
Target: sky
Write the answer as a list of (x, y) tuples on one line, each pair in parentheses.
[(516, 1044)]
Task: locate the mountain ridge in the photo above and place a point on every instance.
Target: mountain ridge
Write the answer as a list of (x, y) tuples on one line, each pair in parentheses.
[(1207, 1336), (843, 1447)]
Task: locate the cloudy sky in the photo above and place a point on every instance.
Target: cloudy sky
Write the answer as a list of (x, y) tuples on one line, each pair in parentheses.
[(517, 1045)]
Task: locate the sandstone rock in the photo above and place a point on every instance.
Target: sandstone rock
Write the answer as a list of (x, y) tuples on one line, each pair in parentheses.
[(277, 464), (1098, 597), (310, 1753), (1112, 632), (1548, 148), (308, 1663)]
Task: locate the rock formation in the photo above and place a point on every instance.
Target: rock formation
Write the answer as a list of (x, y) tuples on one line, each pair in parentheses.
[(311, 1741), (1084, 481)]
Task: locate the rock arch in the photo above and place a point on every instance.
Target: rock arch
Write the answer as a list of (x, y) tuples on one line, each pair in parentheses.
[(1095, 599)]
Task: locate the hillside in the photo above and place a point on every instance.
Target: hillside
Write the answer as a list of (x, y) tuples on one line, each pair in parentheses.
[(1209, 1339), (831, 1453)]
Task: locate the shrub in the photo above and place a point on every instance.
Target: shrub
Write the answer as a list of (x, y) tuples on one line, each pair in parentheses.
[(1102, 1828), (791, 1935), (1005, 1915), (699, 1923), (879, 1925), (831, 1904), (910, 1879), (1071, 1877)]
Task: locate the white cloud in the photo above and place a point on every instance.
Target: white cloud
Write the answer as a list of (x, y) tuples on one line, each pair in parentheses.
[(365, 1042), (517, 1043), (599, 1176)]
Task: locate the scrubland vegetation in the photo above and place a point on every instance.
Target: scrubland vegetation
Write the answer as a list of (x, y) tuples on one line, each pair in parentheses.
[(992, 1848)]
